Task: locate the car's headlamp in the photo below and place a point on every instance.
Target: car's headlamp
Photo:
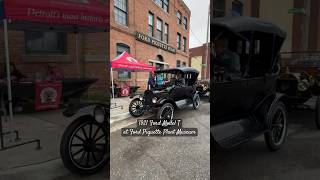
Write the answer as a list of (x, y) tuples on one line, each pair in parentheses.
[(302, 86), (99, 114), (154, 100)]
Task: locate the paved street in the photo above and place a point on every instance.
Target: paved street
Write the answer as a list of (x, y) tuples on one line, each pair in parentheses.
[(299, 159), (148, 158)]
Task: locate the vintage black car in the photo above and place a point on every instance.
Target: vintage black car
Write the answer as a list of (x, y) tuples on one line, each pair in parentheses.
[(245, 103), (175, 88), (300, 80)]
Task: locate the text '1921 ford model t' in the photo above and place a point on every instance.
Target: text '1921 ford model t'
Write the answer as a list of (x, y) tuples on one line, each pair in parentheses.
[(244, 102), (174, 88)]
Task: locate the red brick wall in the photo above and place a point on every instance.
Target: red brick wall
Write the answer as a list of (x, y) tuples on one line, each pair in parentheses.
[(138, 21), (88, 44)]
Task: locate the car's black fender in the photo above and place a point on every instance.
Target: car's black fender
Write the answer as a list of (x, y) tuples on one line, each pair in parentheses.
[(162, 101)]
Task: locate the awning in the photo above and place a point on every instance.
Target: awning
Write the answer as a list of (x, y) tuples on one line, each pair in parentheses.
[(57, 13), (126, 61)]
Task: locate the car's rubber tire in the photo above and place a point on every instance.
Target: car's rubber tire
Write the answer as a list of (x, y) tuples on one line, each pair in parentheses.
[(65, 152), (196, 102), (317, 113), (166, 106), (282, 126), (133, 103)]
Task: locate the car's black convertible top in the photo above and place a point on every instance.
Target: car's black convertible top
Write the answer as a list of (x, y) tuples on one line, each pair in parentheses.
[(247, 24)]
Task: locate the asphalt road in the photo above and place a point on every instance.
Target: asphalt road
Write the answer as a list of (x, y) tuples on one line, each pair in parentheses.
[(299, 159), (162, 158)]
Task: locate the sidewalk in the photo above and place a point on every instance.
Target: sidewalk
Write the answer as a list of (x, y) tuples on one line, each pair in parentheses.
[(28, 163), (119, 109)]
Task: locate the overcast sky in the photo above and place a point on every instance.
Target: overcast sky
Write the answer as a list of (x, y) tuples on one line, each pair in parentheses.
[(199, 19)]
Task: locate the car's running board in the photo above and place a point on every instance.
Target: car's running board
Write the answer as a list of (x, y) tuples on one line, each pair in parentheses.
[(231, 134), (183, 103)]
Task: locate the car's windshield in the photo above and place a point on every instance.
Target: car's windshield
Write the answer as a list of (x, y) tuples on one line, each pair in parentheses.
[(165, 78)]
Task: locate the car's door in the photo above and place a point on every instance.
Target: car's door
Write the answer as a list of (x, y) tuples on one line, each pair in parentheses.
[(229, 99)]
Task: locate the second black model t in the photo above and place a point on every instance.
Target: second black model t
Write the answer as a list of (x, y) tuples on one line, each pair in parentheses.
[(244, 102), (174, 88)]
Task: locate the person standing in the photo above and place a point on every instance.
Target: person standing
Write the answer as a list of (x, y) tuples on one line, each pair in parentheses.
[(151, 81)]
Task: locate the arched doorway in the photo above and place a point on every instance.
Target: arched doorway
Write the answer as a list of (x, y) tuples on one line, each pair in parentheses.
[(159, 64)]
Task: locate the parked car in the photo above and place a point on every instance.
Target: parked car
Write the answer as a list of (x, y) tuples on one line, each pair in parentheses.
[(84, 147), (300, 80), (203, 87), (245, 103), (175, 88)]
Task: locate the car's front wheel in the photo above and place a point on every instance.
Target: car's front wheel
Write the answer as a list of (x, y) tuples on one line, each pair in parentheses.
[(317, 112), (84, 146), (166, 112), (136, 107), (276, 136)]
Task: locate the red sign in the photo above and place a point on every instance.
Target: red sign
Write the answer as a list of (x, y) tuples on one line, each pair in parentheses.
[(63, 12), (48, 95), (125, 90)]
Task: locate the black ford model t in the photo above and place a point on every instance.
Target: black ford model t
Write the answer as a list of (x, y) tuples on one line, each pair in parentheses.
[(245, 103), (175, 88)]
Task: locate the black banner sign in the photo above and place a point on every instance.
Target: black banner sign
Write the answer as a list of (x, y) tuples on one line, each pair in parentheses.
[(149, 40)]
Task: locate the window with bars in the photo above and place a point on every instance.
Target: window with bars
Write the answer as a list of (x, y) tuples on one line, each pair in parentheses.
[(185, 23), (178, 63), (159, 29), (179, 17), (164, 4), (166, 33), (46, 42), (179, 41), (150, 24), (121, 12), (123, 74), (184, 44)]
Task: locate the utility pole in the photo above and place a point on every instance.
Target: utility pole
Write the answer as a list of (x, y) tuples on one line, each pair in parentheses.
[(207, 45)]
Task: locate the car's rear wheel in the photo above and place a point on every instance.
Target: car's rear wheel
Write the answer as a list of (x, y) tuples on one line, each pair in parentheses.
[(136, 107), (166, 112), (317, 112), (278, 131), (196, 102)]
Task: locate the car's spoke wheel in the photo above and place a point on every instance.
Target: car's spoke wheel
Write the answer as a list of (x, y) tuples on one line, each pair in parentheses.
[(317, 113), (277, 116), (136, 107), (196, 102), (166, 112), (84, 146)]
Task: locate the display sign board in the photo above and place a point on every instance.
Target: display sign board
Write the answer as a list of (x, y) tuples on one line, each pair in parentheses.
[(150, 40), (48, 95)]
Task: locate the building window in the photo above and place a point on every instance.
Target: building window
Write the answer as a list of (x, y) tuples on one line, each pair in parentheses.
[(218, 8), (150, 24), (46, 42), (179, 17), (185, 23), (237, 8), (184, 44), (121, 12), (184, 64), (166, 33), (159, 29), (179, 41), (178, 63), (164, 4), (123, 74)]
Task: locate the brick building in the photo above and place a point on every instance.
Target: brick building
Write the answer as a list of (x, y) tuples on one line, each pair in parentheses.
[(299, 18), (198, 61), (155, 32), (59, 49)]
